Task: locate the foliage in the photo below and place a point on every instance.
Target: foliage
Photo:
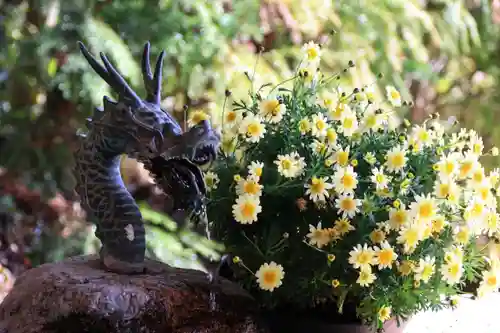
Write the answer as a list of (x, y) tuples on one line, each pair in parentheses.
[(323, 196)]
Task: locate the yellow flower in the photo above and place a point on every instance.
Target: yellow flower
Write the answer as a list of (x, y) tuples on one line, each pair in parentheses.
[(312, 52), (384, 313), (379, 179), (331, 257), (345, 180), (467, 166), (318, 189), (398, 218), (424, 208), (410, 237), (335, 283), (246, 209), (377, 236), (425, 269), (393, 96), (197, 117), (362, 257), (343, 226), (255, 169), (347, 205), (490, 280), (331, 136), (249, 186), (366, 277), (462, 235), (318, 236), (304, 126), (319, 125), (290, 165), (421, 136), (236, 178), (396, 159), (339, 111), (349, 124), (492, 223), (341, 156), (406, 268), (452, 272), (438, 224), (232, 118), (385, 255), (448, 166), (211, 180), (270, 276), (272, 110), (252, 128)]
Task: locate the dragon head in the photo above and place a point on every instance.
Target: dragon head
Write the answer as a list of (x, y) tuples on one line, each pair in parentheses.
[(141, 128)]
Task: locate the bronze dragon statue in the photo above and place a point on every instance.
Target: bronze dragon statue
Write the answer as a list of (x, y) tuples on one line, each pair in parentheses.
[(140, 129)]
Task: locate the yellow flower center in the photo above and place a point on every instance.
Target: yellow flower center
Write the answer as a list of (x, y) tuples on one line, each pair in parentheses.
[(427, 271), (342, 157), (258, 172), (317, 186), (320, 125), (231, 116), (331, 135), (443, 190), (454, 269), (385, 256), (248, 209), (398, 160), (491, 281), (477, 210), (424, 136), (395, 94), (209, 181), (253, 129), (465, 169), (304, 125), (411, 237), (347, 181), (270, 277), (426, 210), (270, 105), (449, 167), (399, 218), (406, 268), (478, 176), (371, 120), (379, 178), (312, 53), (463, 236), (364, 258), (286, 164), (348, 123), (337, 112), (251, 187), (348, 204), (477, 148), (377, 236), (198, 117)]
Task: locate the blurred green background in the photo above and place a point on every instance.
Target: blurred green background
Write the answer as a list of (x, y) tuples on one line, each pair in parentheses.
[(442, 54)]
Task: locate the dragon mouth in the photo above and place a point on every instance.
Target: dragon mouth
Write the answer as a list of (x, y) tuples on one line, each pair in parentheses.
[(178, 175), (204, 154)]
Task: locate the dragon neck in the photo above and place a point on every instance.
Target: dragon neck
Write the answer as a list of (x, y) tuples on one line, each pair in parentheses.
[(105, 198)]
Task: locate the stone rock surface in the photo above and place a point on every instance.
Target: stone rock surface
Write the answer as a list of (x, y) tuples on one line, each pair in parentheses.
[(77, 295)]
